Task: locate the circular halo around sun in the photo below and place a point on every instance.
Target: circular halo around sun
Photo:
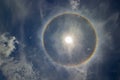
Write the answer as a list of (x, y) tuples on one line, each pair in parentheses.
[(69, 39)]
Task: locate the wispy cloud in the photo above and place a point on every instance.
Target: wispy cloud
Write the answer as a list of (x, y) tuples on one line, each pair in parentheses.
[(19, 8), (7, 44), (74, 4), (19, 70), (14, 69)]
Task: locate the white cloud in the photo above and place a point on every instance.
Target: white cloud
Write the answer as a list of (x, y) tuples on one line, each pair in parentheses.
[(19, 70), (74, 3), (14, 69), (7, 44)]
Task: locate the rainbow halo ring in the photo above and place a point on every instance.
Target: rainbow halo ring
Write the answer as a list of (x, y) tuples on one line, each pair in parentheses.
[(69, 39)]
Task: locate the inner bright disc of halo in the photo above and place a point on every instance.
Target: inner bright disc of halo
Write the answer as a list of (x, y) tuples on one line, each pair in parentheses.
[(69, 39)]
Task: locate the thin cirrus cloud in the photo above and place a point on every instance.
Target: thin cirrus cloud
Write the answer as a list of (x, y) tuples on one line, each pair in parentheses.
[(19, 70), (7, 44), (19, 8), (13, 69), (74, 4)]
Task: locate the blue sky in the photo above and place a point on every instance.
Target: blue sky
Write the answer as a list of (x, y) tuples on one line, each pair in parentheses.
[(22, 56)]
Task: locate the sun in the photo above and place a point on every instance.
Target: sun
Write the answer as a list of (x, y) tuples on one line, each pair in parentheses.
[(68, 40)]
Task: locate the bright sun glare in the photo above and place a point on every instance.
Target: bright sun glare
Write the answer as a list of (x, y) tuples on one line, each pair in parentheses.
[(68, 40)]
